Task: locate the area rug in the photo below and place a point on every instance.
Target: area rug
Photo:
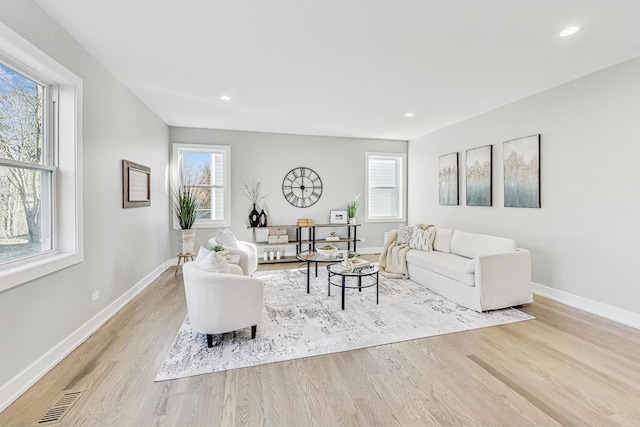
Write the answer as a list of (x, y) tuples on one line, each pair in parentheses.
[(296, 324)]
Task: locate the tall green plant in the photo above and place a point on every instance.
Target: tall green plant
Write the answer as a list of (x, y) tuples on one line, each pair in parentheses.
[(352, 207), (185, 205)]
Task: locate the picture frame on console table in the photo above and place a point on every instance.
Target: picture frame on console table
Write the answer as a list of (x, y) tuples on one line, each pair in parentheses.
[(448, 179), (136, 185), (338, 217), (521, 158)]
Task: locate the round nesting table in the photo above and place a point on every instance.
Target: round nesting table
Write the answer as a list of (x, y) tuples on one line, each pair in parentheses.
[(312, 256), (336, 269)]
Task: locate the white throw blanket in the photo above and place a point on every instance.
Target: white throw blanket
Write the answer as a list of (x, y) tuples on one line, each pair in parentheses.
[(393, 259)]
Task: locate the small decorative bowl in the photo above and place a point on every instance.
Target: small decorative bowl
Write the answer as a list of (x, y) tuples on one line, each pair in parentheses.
[(326, 253)]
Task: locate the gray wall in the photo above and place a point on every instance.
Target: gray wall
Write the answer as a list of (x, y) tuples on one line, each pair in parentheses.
[(121, 247), (586, 238), (267, 157)]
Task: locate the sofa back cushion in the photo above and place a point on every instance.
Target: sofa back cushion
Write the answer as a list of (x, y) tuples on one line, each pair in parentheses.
[(471, 245), (442, 241)]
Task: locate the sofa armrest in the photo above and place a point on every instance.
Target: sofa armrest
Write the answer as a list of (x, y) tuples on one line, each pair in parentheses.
[(503, 280)]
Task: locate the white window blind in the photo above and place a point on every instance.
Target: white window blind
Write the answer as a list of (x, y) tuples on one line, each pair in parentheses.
[(385, 196)]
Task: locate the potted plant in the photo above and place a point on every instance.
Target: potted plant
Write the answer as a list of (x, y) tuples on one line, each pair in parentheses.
[(352, 209), (185, 206)]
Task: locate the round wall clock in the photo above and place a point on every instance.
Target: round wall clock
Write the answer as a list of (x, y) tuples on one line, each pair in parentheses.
[(302, 187)]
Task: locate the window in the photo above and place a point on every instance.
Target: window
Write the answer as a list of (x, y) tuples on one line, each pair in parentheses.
[(40, 194), (385, 183), (206, 169)]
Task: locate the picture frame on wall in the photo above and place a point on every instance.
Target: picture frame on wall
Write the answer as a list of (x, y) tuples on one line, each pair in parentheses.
[(478, 172), (338, 217), (136, 185), (521, 158), (448, 179)]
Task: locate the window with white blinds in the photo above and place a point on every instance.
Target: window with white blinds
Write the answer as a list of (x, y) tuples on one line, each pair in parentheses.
[(385, 189)]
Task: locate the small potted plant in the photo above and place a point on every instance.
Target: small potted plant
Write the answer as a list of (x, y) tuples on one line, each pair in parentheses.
[(185, 207), (352, 209)]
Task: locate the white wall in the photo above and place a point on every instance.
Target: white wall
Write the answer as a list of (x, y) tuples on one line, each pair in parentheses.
[(586, 238), (121, 246), (267, 157)]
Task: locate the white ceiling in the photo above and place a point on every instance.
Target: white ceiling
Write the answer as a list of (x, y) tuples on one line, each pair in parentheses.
[(345, 67)]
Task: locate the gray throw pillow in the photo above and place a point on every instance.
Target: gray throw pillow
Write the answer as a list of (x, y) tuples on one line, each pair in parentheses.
[(404, 235)]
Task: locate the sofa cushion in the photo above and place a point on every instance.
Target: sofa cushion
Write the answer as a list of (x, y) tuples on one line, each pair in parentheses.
[(449, 265), (442, 241), (471, 245), (422, 239), (404, 235)]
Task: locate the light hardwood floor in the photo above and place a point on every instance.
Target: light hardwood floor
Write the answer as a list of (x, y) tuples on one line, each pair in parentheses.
[(566, 367)]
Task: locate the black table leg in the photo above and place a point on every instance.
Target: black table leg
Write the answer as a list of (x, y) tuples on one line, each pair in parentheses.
[(328, 283), (359, 283), (308, 276), (377, 283), (343, 279)]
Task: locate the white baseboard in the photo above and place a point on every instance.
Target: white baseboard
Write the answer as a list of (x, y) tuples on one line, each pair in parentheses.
[(603, 310), (13, 389)]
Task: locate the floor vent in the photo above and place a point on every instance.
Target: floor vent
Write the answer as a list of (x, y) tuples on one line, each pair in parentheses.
[(58, 410)]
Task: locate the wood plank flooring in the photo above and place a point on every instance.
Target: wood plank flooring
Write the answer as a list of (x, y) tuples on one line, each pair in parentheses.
[(566, 367)]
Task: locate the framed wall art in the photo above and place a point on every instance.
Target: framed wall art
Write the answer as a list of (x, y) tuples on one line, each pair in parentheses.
[(136, 185), (478, 162), (338, 217), (522, 172), (448, 179)]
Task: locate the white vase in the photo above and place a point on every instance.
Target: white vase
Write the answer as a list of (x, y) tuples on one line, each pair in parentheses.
[(352, 220), (187, 241)]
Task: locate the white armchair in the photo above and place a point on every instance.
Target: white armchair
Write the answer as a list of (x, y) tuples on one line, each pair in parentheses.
[(219, 302), (248, 255)]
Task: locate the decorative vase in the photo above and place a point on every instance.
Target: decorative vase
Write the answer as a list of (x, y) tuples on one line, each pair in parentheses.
[(187, 241), (254, 217), (352, 221), (263, 219)]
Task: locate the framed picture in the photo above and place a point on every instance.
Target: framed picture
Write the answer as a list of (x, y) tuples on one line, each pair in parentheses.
[(338, 217), (136, 185), (478, 176), (521, 159), (448, 179)]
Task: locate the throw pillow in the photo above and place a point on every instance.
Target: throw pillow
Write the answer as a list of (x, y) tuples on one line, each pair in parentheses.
[(226, 238), (404, 235), (442, 242), (423, 239), (213, 263), (202, 254)]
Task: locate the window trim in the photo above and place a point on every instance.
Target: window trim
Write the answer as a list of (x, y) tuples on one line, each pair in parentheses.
[(178, 147), (64, 107), (401, 184)]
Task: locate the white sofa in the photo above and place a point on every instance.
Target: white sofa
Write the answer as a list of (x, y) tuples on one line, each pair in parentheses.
[(477, 271)]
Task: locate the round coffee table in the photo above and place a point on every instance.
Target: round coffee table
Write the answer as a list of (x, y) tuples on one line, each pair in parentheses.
[(312, 256), (336, 269)]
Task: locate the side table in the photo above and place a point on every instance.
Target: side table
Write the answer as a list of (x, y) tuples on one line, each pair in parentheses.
[(183, 258)]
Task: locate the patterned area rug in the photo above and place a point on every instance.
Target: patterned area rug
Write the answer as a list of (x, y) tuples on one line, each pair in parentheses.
[(297, 324)]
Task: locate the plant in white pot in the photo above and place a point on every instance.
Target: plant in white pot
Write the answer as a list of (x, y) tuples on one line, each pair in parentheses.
[(352, 209), (185, 208)]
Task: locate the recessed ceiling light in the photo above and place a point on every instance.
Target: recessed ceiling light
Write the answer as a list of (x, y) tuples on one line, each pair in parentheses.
[(568, 31), (409, 115), (225, 98)]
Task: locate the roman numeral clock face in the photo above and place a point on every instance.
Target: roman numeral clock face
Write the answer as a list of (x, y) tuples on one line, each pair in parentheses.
[(302, 187)]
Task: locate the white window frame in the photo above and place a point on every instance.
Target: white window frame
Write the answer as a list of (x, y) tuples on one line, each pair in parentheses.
[(178, 148), (63, 140), (401, 185)]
